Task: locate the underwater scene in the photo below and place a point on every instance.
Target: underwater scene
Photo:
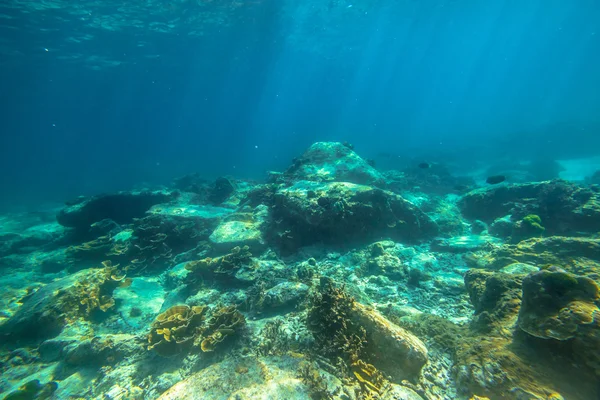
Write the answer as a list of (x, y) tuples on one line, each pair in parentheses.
[(282, 199)]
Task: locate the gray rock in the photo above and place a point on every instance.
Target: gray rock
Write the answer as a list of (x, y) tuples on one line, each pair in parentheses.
[(502, 227), (120, 207), (464, 244), (519, 269), (332, 161), (340, 212), (245, 232), (285, 295)]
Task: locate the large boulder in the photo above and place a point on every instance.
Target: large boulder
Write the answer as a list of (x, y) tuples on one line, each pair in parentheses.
[(332, 161), (496, 359), (395, 351), (563, 208), (338, 213), (560, 306), (578, 255), (120, 207), (45, 312)]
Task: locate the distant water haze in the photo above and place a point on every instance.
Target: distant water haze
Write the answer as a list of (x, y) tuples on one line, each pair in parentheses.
[(104, 96)]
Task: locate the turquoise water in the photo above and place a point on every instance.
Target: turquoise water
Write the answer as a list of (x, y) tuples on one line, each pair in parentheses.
[(270, 199)]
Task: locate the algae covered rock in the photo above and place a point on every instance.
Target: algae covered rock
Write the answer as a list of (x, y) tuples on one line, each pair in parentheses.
[(224, 268), (241, 232), (394, 350), (496, 298), (364, 339), (558, 305), (332, 161), (120, 207), (336, 213), (285, 295), (44, 313), (575, 254), (563, 207)]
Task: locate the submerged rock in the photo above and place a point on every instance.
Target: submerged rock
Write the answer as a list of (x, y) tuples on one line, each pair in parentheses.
[(561, 306), (394, 350), (579, 255), (337, 213), (332, 161), (562, 207), (242, 232), (464, 244), (120, 207), (496, 298), (244, 379), (45, 312)]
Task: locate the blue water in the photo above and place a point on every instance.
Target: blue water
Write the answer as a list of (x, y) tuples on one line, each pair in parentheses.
[(100, 96)]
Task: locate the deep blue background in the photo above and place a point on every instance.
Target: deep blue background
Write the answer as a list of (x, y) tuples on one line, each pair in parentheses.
[(401, 77)]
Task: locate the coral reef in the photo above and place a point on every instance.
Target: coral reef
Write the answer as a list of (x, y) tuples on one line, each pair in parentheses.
[(174, 330), (179, 328), (564, 207), (330, 280)]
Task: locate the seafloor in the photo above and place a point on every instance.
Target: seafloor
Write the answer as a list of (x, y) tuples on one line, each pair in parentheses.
[(330, 281)]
